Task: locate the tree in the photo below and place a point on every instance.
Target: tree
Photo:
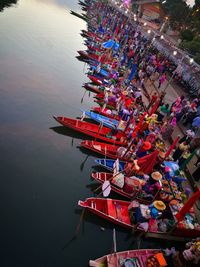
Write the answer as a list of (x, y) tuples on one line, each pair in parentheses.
[(187, 35), (6, 3), (178, 12)]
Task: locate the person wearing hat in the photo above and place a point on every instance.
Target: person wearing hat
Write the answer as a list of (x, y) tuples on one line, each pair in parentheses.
[(153, 185), (143, 150), (180, 149), (189, 135), (156, 208)]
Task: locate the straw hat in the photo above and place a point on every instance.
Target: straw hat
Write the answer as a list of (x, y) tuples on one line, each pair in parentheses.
[(159, 205), (146, 145), (156, 176)]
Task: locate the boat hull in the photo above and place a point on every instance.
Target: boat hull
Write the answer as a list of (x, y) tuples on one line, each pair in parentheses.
[(111, 260), (89, 129), (113, 210)]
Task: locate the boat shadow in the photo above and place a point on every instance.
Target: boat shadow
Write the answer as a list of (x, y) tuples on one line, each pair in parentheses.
[(82, 59), (69, 132), (98, 221), (86, 216), (89, 152), (99, 168)]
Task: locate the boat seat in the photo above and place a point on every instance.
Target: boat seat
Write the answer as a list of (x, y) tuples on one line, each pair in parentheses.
[(111, 209), (93, 204)]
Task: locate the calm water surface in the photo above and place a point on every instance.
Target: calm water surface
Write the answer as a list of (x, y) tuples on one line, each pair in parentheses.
[(43, 173)]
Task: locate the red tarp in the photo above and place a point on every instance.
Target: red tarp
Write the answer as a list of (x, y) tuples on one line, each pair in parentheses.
[(172, 146), (188, 205), (148, 162)]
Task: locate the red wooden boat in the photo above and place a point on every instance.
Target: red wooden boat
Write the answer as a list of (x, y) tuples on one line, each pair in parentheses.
[(105, 176), (95, 80), (94, 48), (93, 88), (88, 34), (92, 35), (105, 112), (100, 96), (140, 255), (101, 148), (113, 210), (110, 151), (110, 105), (85, 54), (92, 130), (117, 211)]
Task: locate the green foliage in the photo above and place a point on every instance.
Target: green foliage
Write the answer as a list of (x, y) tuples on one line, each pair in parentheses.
[(178, 12), (192, 47), (187, 35), (197, 58)]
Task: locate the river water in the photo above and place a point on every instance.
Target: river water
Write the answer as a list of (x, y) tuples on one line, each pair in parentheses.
[(43, 173)]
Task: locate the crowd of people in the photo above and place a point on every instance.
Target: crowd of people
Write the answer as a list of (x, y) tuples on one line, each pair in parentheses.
[(132, 62)]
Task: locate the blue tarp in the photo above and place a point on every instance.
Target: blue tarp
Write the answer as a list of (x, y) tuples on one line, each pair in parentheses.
[(173, 166), (111, 44)]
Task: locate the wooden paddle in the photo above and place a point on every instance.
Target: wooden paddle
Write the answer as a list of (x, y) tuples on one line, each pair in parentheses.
[(107, 186)]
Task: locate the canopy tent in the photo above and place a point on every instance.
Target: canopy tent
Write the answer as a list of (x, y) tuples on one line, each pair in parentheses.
[(148, 162), (111, 44)]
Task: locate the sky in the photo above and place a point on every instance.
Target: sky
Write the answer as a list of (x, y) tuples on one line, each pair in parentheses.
[(190, 2)]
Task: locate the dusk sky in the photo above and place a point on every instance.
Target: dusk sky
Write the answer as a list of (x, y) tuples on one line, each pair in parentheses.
[(191, 2)]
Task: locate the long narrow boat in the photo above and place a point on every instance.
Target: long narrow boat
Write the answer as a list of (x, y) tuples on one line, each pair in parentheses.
[(109, 105), (93, 88), (113, 210), (140, 257), (101, 148), (105, 112), (94, 48), (101, 177), (131, 189), (100, 96), (108, 122), (118, 212), (88, 34), (97, 80), (93, 130), (81, 16), (102, 71), (107, 150), (85, 54), (109, 164), (83, 3)]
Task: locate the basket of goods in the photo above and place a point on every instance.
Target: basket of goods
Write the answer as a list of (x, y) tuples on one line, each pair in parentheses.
[(156, 260)]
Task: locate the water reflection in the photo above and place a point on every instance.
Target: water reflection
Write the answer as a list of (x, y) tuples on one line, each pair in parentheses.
[(6, 3)]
